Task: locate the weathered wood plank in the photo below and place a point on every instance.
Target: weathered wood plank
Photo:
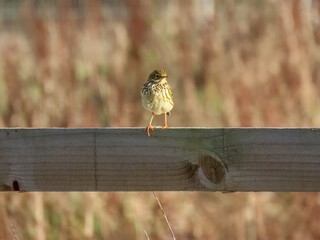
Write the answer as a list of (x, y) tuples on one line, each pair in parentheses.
[(182, 159)]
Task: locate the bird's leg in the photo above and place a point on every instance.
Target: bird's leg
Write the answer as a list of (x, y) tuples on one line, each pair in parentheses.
[(165, 121), (150, 127)]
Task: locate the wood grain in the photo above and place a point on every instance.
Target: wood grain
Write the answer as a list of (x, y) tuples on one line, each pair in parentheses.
[(175, 159)]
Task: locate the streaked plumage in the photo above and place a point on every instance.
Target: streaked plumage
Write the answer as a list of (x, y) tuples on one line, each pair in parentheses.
[(156, 96)]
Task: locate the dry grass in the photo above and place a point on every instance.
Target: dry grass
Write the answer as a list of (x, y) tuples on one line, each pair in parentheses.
[(235, 63)]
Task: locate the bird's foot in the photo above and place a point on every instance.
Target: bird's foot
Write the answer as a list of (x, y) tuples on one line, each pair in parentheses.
[(164, 126), (148, 128)]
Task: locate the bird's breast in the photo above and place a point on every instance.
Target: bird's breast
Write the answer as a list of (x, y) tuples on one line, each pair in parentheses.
[(157, 99)]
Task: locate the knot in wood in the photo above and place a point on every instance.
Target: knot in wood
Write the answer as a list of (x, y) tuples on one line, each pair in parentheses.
[(212, 168), (15, 185)]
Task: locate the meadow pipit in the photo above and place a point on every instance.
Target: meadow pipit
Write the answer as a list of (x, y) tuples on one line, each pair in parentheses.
[(156, 95)]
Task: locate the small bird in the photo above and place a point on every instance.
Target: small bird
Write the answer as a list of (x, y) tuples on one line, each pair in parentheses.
[(156, 96)]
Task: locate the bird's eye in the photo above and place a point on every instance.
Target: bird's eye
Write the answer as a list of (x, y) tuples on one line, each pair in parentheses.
[(157, 75)]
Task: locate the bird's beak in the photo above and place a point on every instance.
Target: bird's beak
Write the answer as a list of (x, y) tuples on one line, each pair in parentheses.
[(163, 79)]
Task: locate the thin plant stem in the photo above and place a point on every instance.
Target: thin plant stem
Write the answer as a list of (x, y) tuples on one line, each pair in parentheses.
[(165, 216), (145, 232), (14, 232)]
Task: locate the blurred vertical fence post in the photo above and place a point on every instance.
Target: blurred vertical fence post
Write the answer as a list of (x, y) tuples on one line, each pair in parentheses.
[(176, 159)]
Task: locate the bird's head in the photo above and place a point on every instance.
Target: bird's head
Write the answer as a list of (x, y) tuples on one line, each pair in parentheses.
[(158, 75)]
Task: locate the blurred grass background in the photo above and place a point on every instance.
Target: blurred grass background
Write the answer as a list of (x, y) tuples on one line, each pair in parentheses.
[(230, 63)]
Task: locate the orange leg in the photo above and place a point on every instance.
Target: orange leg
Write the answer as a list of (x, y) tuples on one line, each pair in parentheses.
[(165, 122), (150, 127)]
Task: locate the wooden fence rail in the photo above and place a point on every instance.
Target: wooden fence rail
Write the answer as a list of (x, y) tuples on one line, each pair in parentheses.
[(175, 159)]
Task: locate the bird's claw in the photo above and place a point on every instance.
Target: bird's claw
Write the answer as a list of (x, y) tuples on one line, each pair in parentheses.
[(148, 128), (164, 126)]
